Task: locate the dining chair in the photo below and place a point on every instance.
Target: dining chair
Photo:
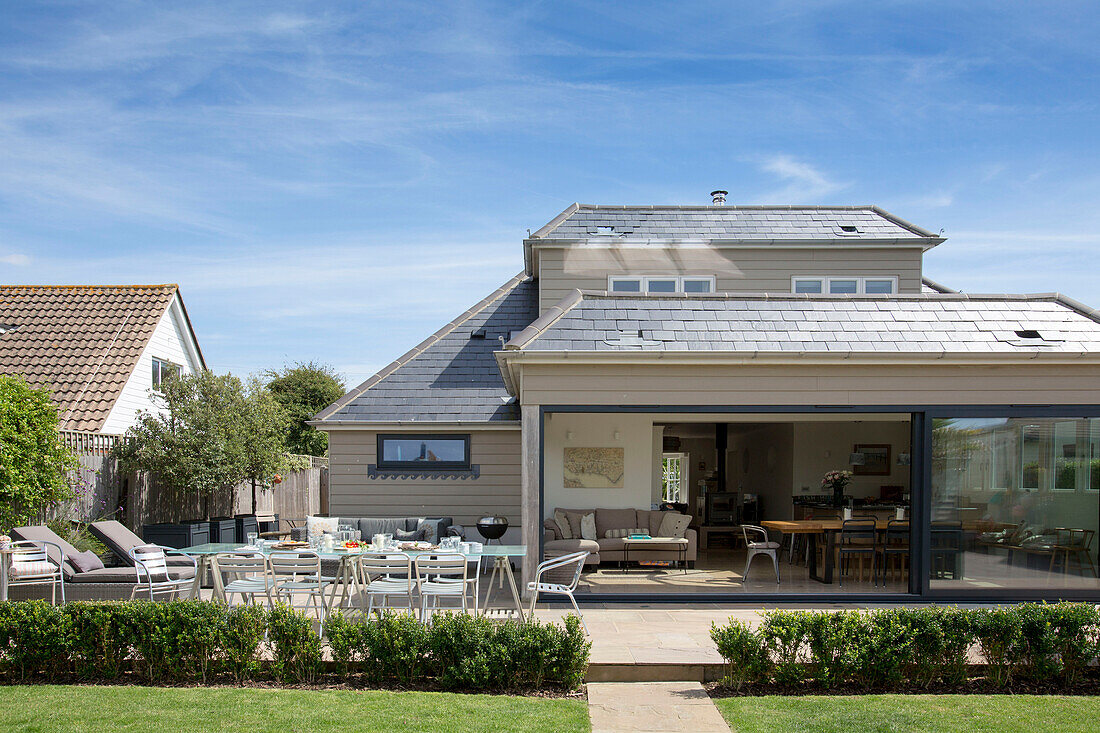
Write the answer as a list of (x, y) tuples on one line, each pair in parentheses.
[(558, 576), (894, 549), (441, 576), (1076, 544), (249, 573), (299, 573), (154, 574), (857, 539), (946, 550), (384, 576), (30, 564), (761, 546)]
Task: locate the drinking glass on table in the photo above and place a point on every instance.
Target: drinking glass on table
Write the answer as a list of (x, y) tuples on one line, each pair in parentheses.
[(251, 537)]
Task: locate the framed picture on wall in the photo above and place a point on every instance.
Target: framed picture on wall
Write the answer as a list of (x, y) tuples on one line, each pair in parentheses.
[(875, 459)]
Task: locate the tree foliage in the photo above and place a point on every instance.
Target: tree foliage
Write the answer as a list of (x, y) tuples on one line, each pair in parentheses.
[(304, 390), (211, 433), (34, 463)]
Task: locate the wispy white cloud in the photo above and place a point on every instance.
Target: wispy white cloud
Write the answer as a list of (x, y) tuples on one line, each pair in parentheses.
[(805, 184), (17, 260)]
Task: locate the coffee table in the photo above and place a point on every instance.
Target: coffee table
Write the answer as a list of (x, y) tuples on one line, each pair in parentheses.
[(680, 542)]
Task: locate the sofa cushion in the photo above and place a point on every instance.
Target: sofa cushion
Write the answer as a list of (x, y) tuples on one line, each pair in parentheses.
[(428, 529), (618, 544), (610, 544), (369, 527), (565, 527), (412, 535), (650, 519), (588, 526), (557, 548), (620, 533), (615, 519), (552, 525), (317, 526), (673, 524)]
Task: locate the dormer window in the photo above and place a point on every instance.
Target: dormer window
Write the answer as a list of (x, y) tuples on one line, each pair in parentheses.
[(848, 230), (660, 284), (845, 285)]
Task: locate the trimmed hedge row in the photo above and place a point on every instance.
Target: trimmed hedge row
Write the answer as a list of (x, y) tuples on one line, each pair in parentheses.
[(200, 641), (912, 646)]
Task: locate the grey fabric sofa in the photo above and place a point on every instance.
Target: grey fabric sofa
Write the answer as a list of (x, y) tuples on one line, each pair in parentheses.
[(610, 549), (370, 526)]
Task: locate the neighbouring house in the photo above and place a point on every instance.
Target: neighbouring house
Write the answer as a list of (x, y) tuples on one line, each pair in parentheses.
[(720, 361), (99, 349)]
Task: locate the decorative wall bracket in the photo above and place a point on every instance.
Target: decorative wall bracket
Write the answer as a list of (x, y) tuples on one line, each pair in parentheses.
[(472, 472)]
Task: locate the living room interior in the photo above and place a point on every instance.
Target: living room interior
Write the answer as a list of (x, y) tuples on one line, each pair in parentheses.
[(769, 471)]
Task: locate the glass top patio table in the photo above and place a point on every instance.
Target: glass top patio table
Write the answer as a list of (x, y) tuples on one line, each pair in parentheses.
[(213, 548)]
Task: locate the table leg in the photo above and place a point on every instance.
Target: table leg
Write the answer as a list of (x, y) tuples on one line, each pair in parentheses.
[(196, 587), (830, 552), (3, 576), (512, 584), (830, 549), (219, 584)]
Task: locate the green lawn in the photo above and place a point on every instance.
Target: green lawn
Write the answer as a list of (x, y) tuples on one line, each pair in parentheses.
[(162, 710), (947, 713)]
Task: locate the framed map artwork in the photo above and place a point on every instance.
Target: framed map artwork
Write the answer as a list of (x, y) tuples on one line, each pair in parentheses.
[(594, 468)]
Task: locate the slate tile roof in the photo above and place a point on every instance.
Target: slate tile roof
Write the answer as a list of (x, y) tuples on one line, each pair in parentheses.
[(82, 342), (452, 376), (586, 221), (940, 323)]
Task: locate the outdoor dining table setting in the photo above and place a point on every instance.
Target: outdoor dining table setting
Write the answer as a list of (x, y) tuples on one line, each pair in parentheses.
[(347, 550)]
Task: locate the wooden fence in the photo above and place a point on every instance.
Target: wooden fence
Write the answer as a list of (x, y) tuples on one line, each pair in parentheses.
[(137, 498)]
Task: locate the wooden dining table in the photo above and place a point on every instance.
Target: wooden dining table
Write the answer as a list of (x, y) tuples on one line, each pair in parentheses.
[(812, 528)]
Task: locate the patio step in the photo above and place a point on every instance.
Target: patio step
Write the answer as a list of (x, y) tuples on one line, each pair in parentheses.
[(654, 672)]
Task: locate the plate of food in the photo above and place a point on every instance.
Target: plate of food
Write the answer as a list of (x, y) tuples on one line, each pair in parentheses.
[(351, 546), (420, 545), (290, 545)]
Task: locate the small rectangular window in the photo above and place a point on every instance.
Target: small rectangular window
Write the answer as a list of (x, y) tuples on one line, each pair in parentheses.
[(660, 285), (878, 286), (626, 285), (808, 285), (698, 285), (163, 369), (843, 286), (424, 451)]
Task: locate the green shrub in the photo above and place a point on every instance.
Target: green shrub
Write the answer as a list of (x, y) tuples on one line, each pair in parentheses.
[(394, 649), (295, 646), (1039, 660), (32, 640), (784, 634), (743, 650), (544, 654), (1076, 637), (888, 652), (99, 638), (345, 639), (836, 642), (465, 652), (240, 635), (1001, 640)]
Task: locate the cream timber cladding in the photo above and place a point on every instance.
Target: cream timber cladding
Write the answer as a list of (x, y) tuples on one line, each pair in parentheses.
[(171, 341), (820, 384), (495, 491), (736, 268)]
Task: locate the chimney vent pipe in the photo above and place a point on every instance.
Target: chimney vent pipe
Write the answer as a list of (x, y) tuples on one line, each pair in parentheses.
[(718, 198)]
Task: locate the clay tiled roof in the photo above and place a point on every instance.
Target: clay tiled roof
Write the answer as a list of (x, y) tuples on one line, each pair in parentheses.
[(82, 342)]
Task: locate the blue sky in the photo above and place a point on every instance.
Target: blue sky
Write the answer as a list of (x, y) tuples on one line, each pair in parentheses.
[(334, 181)]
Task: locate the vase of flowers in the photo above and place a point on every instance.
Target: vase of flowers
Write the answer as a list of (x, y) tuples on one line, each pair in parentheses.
[(836, 481)]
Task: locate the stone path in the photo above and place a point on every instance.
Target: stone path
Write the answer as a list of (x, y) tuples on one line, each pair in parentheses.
[(652, 707)]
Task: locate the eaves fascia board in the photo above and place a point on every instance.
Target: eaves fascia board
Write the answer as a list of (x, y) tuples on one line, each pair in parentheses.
[(702, 242), (418, 425), (792, 357)]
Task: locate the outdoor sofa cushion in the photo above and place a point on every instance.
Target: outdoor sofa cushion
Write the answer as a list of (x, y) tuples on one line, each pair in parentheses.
[(369, 526), (85, 561), (120, 539)]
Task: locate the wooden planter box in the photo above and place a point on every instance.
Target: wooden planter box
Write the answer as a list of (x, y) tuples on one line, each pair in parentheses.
[(184, 534), (223, 529), (246, 523)]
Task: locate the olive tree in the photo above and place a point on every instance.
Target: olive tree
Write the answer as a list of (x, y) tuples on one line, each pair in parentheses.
[(210, 433), (35, 465)]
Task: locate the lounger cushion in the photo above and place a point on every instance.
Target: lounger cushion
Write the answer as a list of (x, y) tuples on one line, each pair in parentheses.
[(125, 575), (120, 539), (86, 561), (42, 533)]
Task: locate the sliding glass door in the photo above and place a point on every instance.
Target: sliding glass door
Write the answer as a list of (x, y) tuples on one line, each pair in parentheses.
[(1015, 504)]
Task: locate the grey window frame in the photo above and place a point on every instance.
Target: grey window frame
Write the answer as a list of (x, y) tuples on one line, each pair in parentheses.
[(423, 466)]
